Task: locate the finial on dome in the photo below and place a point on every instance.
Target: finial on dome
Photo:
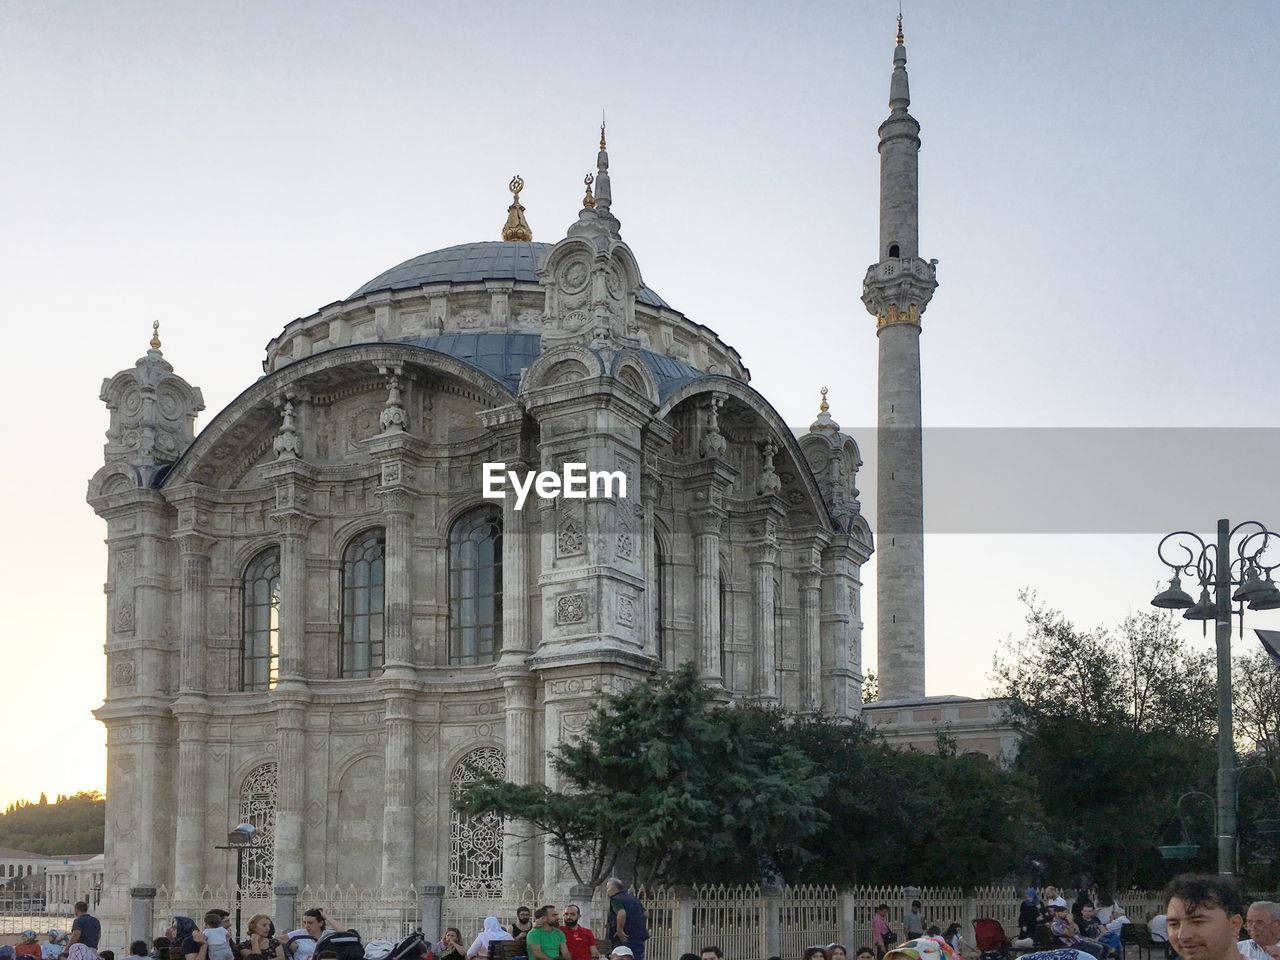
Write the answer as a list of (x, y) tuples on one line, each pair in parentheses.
[(517, 227), (823, 407), (900, 36), (602, 146), (824, 423), (588, 201), (155, 335)]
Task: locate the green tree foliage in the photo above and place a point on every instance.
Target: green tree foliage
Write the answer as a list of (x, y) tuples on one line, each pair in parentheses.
[(677, 790), (669, 787), (1116, 725), (70, 825)]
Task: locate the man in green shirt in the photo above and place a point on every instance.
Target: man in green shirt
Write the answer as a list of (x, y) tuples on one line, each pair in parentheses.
[(546, 941)]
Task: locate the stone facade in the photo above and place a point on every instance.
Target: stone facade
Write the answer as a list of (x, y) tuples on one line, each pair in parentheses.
[(257, 671)]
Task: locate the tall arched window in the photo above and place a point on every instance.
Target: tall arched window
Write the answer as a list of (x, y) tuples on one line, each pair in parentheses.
[(475, 587), (362, 603), (260, 622), (659, 576)]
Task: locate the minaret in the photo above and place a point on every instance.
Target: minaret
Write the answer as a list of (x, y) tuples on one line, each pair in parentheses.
[(896, 291)]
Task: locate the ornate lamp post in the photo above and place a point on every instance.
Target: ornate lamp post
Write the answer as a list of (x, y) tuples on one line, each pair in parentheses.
[(239, 841), (1217, 570)]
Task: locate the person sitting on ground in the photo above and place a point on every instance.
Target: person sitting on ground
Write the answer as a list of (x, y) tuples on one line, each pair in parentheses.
[(482, 945), (1069, 935), (836, 951), (28, 948), (138, 949), (814, 953)]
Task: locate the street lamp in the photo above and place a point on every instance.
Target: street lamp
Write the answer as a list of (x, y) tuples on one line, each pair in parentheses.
[(1216, 571), (239, 839)]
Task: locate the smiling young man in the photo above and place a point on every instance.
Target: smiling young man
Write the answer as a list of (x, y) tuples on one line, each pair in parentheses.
[(1205, 915)]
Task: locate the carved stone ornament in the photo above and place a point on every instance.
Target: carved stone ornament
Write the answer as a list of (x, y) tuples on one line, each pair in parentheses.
[(569, 538), (770, 482), (713, 442), (571, 608), (287, 444), (626, 611), (394, 418)]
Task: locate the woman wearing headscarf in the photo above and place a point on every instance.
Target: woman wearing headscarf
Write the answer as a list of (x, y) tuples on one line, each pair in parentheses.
[(483, 943)]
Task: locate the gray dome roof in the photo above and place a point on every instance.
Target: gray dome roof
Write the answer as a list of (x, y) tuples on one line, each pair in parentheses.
[(468, 262)]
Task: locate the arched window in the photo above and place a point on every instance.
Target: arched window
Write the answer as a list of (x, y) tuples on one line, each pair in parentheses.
[(475, 843), (659, 576), (362, 603), (260, 623), (475, 587), (258, 806)]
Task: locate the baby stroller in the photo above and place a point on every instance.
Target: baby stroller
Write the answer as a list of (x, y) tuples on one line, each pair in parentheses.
[(990, 939)]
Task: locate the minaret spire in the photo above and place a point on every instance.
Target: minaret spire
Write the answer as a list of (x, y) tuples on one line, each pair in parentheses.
[(595, 214), (896, 291)]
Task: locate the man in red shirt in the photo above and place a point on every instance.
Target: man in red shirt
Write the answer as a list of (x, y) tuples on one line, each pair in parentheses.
[(579, 939)]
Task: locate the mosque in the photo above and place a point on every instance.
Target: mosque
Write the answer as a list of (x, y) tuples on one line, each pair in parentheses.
[(318, 623)]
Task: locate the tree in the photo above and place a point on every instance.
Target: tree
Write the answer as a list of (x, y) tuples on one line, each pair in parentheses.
[(1256, 701), (675, 789), (1116, 725), (870, 687), (74, 824)]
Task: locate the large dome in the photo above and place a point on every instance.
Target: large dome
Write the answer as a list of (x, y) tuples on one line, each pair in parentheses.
[(470, 262)]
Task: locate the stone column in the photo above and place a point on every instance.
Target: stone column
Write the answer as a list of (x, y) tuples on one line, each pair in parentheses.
[(431, 909), (764, 558), (517, 640), (401, 773), (518, 852), (291, 791), (193, 787), (194, 551), (190, 710), (286, 915), (142, 902), (398, 580), (811, 620), (293, 595), (707, 526)]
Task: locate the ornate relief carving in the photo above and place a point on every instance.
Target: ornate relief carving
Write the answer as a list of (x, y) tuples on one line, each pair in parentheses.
[(573, 724), (569, 537), (124, 613), (626, 611), (126, 561), (626, 542), (571, 608), (124, 673), (475, 843), (287, 443)]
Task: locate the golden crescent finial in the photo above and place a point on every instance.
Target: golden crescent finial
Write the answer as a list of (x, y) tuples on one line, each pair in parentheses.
[(823, 407), (155, 335), (516, 227), (900, 37), (516, 185), (602, 146)]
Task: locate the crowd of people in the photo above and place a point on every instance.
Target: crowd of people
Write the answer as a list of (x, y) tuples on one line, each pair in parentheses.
[(1205, 919)]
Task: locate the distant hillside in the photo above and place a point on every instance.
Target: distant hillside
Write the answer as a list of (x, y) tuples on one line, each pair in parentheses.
[(72, 824)]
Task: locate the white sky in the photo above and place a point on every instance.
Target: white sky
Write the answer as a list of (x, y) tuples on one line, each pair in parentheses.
[(1098, 183)]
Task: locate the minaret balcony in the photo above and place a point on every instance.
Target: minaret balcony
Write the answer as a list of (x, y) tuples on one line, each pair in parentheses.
[(897, 289)]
